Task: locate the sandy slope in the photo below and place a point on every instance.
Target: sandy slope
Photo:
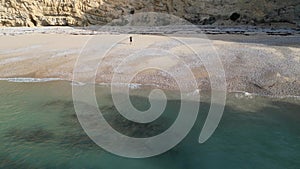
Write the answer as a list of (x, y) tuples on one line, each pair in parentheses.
[(254, 67)]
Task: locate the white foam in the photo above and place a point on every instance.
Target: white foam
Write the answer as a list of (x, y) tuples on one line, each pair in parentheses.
[(29, 80), (241, 94), (73, 83), (130, 85), (134, 86)]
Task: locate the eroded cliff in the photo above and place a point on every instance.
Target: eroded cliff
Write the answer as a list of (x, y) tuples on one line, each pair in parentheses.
[(203, 12)]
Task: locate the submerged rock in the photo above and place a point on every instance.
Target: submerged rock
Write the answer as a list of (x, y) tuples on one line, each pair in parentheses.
[(36, 135)]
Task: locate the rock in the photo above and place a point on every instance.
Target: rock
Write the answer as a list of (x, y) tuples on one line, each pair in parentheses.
[(91, 12), (235, 16)]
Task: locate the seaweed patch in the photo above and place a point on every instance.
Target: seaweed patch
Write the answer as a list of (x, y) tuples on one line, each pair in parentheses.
[(36, 135)]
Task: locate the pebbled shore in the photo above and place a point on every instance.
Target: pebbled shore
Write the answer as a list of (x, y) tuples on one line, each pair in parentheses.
[(254, 60)]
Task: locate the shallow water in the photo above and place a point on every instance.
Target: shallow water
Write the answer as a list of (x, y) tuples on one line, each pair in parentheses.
[(39, 129)]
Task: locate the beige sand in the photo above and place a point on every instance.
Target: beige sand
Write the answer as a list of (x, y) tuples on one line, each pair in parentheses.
[(54, 56)]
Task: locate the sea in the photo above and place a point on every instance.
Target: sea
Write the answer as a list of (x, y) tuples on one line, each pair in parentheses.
[(39, 128)]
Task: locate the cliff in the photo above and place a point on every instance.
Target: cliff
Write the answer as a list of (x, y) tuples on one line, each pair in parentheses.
[(204, 12)]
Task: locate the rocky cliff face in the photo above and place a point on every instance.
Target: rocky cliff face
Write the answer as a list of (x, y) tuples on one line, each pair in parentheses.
[(204, 12)]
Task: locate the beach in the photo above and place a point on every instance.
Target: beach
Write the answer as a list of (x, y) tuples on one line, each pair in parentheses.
[(256, 63), (41, 69)]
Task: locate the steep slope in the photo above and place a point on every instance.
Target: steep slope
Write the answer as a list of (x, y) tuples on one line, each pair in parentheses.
[(85, 12)]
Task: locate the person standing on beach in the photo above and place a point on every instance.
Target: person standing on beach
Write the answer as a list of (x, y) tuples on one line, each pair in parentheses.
[(130, 39)]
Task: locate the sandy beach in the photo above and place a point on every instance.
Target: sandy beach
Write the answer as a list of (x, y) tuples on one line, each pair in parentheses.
[(259, 63)]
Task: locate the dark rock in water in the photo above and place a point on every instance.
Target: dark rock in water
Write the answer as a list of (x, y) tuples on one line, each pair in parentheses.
[(121, 124), (6, 162), (73, 116), (77, 140), (37, 135), (60, 103), (133, 129), (70, 119)]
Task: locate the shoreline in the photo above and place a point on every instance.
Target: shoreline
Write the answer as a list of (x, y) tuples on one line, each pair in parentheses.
[(133, 86)]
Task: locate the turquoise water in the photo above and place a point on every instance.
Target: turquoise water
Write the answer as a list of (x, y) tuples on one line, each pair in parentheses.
[(39, 129)]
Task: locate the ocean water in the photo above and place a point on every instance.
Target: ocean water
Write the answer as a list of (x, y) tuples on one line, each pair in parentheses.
[(39, 129)]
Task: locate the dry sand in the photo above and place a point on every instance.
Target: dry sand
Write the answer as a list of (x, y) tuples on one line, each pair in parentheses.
[(253, 67)]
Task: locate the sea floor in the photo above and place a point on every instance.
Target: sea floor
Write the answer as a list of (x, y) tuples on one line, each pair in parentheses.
[(39, 129)]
